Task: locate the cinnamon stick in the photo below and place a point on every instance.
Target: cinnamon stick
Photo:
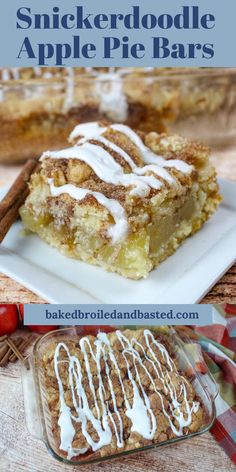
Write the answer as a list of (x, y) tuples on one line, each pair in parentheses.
[(18, 186), (3, 350), (11, 350), (24, 343), (11, 216), (16, 351), (18, 343), (15, 197), (5, 358)]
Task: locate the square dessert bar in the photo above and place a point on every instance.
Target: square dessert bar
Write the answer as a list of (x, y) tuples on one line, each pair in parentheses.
[(121, 199), (116, 392)]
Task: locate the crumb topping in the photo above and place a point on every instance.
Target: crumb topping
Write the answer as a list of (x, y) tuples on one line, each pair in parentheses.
[(117, 391)]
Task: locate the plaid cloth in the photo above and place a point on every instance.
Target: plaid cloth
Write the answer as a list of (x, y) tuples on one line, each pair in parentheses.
[(216, 345)]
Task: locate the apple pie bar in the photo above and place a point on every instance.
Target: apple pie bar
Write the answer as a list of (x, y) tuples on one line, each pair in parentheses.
[(121, 199), (117, 392)]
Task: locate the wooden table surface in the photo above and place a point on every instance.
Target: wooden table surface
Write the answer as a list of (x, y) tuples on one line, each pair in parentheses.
[(224, 291), (21, 452)]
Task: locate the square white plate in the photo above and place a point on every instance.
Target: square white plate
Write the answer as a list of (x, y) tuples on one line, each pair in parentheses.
[(185, 277)]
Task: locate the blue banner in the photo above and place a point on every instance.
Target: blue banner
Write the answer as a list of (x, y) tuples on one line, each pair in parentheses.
[(75, 315), (126, 33)]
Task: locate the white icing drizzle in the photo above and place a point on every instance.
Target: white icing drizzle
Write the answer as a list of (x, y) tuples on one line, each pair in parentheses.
[(106, 168), (93, 130), (149, 156), (70, 89), (110, 171), (112, 100), (116, 231), (137, 170), (87, 130), (6, 74), (138, 410), (117, 149), (38, 71), (15, 73)]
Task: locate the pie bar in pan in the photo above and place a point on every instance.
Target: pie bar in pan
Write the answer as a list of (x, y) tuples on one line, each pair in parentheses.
[(120, 199), (117, 392), (39, 107)]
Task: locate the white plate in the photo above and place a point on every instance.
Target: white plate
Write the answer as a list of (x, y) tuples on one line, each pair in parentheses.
[(184, 277)]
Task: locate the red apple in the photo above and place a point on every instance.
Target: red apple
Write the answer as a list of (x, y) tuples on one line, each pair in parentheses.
[(8, 319), (36, 328)]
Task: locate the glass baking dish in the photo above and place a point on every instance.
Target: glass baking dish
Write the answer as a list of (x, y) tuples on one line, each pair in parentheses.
[(38, 417), (37, 112)]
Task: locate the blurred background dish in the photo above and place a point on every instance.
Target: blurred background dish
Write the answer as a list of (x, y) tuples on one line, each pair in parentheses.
[(40, 106)]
